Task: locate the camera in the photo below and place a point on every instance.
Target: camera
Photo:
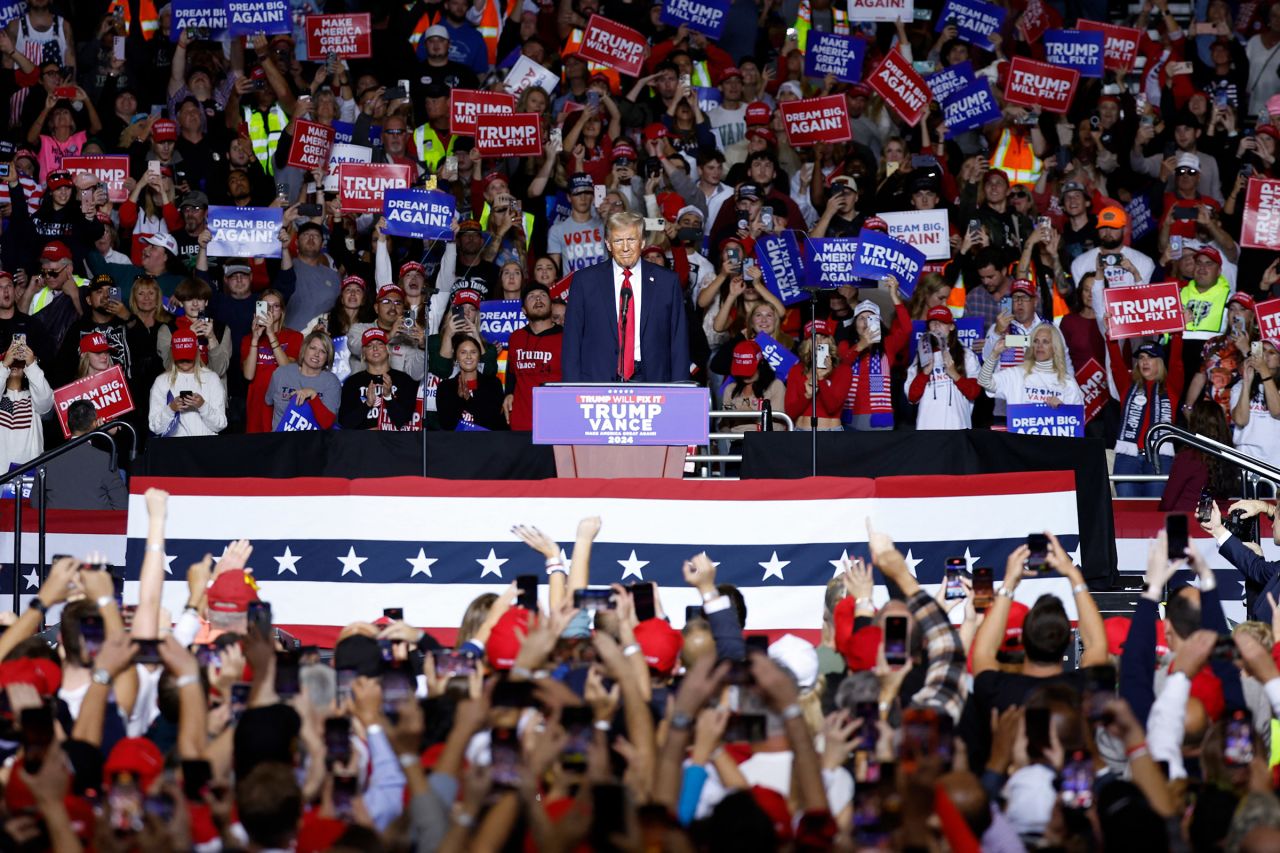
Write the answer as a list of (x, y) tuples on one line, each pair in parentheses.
[(1240, 527)]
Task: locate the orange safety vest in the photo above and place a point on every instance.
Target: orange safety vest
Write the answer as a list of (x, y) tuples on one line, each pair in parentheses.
[(146, 11), (574, 43), (1015, 157)]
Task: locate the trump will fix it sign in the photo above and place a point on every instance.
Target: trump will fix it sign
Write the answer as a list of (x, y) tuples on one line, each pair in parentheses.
[(1144, 309)]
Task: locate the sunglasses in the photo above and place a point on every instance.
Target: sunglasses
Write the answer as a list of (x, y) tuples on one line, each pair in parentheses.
[(1020, 194), (1183, 170), (390, 302), (393, 131)]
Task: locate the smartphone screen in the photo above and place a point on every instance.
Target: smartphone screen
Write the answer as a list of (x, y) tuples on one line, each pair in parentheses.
[(395, 614), (869, 733), (260, 615), (345, 678), (337, 740), (513, 694), (1175, 526), (953, 578), (895, 640), (745, 728), (983, 588), (1237, 746), (1038, 560), (37, 735), (1204, 508), (528, 595), (1077, 781), (92, 633), (693, 611), (1037, 726), (642, 598), (288, 684), (452, 664), (148, 651), (196, 776), (345, 789), (504, 757), (593, 599), (577, 722), (396, 687)]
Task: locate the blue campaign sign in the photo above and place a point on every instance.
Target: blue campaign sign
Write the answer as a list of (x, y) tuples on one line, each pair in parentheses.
[(499, 318), (828, 53), (424, 214), (708, 98), (828, 261), (1141, 218), (245, 232), (968, 331), (297, 417), (673, 415), (971, 107), (705, 16), (250, 17), (1078, 49), (975, 20), (879, 255), (344, 133), (1039, 419), (207, 16), (10, 10), (947, 82), (779, 258), (779, 357)]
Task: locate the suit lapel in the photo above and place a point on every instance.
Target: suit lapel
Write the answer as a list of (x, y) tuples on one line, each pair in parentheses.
[(611, 303), (649, 288)]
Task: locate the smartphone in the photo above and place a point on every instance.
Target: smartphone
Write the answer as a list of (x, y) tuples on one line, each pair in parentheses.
[(288, 683), (337, 740), (975, 228), (513, 694), (1186, 213), (1237, 745), (196, 775), (1255, 348), (239, 700), (693, 611), (952, 578), (207, 655), (451, 165), (459, 313), (745, 728), (823, 356), (869, 732), (983, 588), (600, 191), (1006, 305), (577, 720), (395, 614), (651, 224), (1076, 783), (117, 47), (65, 92), (593, 98), (504, 757), (1175, 527), (261, 311), (1225, 649), (345, 679), (124, 803), (1038, 560), (260, 616), (185, 395), (92, 633), (1175, 247), (395, 93), (924, 732), (345, 790), (642, 600), (556, 137), (37, 735), (160, 806), (1036, 722), (397, 686), (593, 599), (1011, 341), (1177, 69), (895, 640), (309, 210), (528, 595), (148, 651), (453, 664), (1204, 509), (407, 322)]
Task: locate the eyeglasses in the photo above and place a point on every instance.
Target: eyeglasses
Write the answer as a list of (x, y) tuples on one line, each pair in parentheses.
[(390, 302), (1020, 194), (1184, 170), (393, 131)]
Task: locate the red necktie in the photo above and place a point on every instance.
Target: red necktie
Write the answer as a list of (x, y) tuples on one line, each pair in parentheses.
[(627, 332)]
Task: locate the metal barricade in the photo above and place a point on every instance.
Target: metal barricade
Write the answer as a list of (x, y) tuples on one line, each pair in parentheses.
[(704, 464)]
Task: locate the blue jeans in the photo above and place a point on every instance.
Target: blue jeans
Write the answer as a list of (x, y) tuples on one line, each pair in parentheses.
[(1126, 464)]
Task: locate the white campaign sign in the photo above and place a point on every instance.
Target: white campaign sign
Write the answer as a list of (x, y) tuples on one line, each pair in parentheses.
[(926, 230)]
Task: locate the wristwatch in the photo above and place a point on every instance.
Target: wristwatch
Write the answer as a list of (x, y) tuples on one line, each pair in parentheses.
[(681, 722), (101, 676)]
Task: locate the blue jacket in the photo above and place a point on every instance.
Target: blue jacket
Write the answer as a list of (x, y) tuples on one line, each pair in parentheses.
[(1261, 577)]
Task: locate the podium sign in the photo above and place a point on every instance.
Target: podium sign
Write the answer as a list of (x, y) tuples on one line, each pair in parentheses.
[(628, 415)]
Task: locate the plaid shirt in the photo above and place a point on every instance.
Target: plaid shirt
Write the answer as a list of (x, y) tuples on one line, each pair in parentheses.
[(980, 303), (943, 685)]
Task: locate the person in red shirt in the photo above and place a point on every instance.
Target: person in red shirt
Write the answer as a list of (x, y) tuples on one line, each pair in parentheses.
[(267, 346), (533, 357), (1186, 199), (832, 385)]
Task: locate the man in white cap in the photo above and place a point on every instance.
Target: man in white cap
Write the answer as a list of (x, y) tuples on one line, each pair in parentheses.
[(439, 67), (1186, 133), (157, 252)]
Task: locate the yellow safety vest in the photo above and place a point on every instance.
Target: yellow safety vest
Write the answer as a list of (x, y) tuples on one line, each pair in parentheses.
[(146, 11), (430, 149), (1207, 311), (45, 295), (804, 22), (265, 134), (1016, 158), (528, 223)]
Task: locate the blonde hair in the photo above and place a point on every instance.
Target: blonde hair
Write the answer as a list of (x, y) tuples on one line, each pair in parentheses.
[(1162, 373), (1260, 631), (1059, 352), (325, 340), (806, 351), (162, 313)]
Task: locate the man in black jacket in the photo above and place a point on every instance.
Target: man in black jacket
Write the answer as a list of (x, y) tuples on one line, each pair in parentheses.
[(378, 397)]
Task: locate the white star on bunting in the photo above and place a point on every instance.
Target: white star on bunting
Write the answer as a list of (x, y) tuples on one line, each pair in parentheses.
[(631, 566), (32, 578), (911, 564), (773, 567), (288, 562), (492, 564), (351, 563), (421, 564), (840, 564), (1075, 555), (970, 560), (168, 563)]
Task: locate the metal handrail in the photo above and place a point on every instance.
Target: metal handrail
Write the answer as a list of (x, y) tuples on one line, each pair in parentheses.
[(765, 416), (38, 465), (1161, 434)]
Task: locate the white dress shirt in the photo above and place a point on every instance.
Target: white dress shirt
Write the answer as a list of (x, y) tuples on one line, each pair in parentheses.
[(636, 290)]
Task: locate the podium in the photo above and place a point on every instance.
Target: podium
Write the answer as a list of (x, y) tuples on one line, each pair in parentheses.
[(612, 430)]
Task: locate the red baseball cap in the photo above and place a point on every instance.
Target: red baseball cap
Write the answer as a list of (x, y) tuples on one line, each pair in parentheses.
[(466, 296), (774, 805), (164, 130), (232, 592), (506, 638), (60, 178), (372, 335), (825, 327), (353, 281), (184, 346), (1013, 627), (758, 113), (763, 133), (412, 266), (660, 644), (389, 290), (55, 251), (941, 314), (657, 130), (95, 342), (875, 223), (138, 756), (622, 151), (1245, 300), (1210, 253), (1022, 285), (746, 358), (727, 73)]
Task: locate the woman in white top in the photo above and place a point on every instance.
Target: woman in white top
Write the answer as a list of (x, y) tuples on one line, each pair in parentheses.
[(187, 399), (1043, 378), (943, 377), (26, 397), (1255, 405)]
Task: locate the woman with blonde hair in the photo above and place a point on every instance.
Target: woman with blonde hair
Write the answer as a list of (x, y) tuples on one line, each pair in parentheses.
[(147, 310), (188, 399), (931, 292), (1043, 378)]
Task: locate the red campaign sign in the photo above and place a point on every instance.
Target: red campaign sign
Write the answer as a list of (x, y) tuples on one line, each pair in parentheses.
[(614, 45), (901, 87), (108, 391), (467, 105), (1261, 214), (111, 170), (1036, 20), (1119, 44), (346, 35), (311, 144), (518, 135), (1143, 309), (1039, 84), (1092, 380), (814, 120), (361, 185), (560, 290), (1268, 318)]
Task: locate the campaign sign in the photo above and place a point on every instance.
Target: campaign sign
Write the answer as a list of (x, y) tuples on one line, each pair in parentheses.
[(499, 318), (10, 10), (526, 73), (779, 258), (244, 232), (1039, 84), (424, 214), (1036, 20), (974, 19), (1268, 318), (348, 36), (880, 255), (1078, 49), (828, 53), (828, 261), (622, 414), (108, 391), (815, 120), (297, 417), (902, 88), (207, 17), (1261, 214), (971, 107), (1119, 46), (361, 185), (311, 144), (250, 17), (1039, 419), (467, 105), (704, 16), (779, 357), (1141, 218), (516, 135), (885, 11), (948, 81), (1143, 309), (345, 152), (614, 45), (709, 98), (969, 332), (111, 170), (926, 230), (1092, 380)]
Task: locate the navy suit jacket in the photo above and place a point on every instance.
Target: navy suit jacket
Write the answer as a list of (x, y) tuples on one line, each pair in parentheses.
[(590, 352), (1261, 576)]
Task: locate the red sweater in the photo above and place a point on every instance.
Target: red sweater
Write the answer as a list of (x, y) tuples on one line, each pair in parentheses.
[(532, 360), (831, 392)]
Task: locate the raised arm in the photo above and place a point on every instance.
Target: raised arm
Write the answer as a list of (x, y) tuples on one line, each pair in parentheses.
[(146, 620)]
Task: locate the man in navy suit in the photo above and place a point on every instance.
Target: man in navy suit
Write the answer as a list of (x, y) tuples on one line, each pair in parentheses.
[(1261, 576), (655, 340)]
